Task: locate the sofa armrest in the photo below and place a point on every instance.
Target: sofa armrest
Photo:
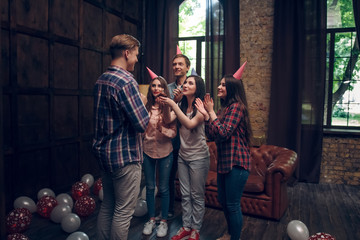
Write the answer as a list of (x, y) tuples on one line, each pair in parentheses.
[(285, 162)]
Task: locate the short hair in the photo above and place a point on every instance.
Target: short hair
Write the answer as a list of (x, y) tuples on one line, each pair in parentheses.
[(122, 42), (180, 55)]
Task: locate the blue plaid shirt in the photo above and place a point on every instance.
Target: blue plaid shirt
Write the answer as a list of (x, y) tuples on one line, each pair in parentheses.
[(120, 118)]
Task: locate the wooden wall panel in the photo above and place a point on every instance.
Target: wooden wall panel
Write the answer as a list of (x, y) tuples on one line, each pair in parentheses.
[(88, 160), (132, 9), (87, 115), (4, 8), (32, 61), (5, 58), (31, 173), (92, 28), (90, 68), (66, 162), (66, 60), (114, 25), (66, 117), (66, 18), (33, 119), (32, 14), (117, 5), (7, 123)]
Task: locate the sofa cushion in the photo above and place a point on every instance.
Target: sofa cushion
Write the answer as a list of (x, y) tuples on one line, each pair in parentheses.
[(255, 184)]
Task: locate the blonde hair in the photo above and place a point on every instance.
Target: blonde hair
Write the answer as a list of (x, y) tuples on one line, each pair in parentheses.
[(122, 42)]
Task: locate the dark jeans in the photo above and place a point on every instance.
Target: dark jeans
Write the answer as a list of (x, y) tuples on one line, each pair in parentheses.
[(230, 189), (172, 180)]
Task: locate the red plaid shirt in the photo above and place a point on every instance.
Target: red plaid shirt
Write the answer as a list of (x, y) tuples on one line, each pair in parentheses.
[(229, 136)]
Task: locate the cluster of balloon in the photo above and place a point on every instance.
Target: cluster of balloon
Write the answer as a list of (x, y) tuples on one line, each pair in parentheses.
[(321, 236), (58, 209), (18, 220), (84, 206)]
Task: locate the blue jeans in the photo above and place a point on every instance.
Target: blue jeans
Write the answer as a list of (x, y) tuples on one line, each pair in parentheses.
[(230, 189), (150, 181), (121, 190)]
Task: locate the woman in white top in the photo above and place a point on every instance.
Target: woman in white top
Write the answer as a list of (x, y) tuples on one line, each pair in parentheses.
[(194, 157)]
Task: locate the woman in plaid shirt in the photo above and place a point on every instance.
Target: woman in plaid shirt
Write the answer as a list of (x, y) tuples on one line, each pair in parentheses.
[(230, 129)]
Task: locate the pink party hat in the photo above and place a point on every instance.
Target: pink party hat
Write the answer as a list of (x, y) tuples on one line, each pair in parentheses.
[(178, 51), (152, 74), (240, 71)]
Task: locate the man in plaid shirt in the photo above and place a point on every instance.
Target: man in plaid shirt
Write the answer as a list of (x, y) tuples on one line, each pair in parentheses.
[(120, 118)]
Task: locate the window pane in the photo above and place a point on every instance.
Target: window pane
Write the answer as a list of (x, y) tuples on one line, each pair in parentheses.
[(188, 48), (344, 43), (354, 116), (192, 18), (340, 14)]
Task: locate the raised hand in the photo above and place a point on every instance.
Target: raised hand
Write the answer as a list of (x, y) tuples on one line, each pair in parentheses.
[(200, 107)]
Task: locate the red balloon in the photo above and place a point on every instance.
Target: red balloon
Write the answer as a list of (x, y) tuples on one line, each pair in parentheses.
[(79, 189), (17, 236), (97, 186), (321, 236), (45, 205), (18, 220), (85, 206)]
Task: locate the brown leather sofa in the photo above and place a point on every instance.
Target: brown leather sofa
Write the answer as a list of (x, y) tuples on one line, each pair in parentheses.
[(265, 193)]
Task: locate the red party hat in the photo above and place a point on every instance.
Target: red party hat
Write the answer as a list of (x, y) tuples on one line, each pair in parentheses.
[(240, 71), (178, 51), (152, 74)]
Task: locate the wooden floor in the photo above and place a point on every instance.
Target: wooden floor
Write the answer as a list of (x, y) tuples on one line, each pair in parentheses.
[(333, 209)]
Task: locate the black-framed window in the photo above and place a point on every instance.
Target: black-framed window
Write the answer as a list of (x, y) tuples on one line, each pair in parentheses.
[(342, 103)]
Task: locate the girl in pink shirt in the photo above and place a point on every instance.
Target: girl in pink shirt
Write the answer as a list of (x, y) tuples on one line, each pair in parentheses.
[(157, 150)]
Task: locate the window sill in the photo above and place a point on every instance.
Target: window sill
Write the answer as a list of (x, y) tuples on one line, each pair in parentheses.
[(342, 132)]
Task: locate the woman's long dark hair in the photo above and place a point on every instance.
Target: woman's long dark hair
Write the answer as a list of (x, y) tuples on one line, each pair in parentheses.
[(235, 92), (199, 93), (150, 97)]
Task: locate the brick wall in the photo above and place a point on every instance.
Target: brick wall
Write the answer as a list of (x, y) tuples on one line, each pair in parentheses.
[(340, 160), (341, 155)]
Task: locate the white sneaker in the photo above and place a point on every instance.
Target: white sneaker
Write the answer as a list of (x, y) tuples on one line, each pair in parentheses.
[(148, 227), (162, 229)]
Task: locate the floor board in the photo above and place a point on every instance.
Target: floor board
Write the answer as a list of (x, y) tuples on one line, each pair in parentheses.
[(333, 209)]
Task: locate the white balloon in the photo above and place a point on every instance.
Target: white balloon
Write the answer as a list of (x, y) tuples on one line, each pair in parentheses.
[(25, 202), (297, 230), (45, 192), (70, 223), (140, 208), (65, 198), (78, 236), (59, 212), (88, 179), (101, 194)]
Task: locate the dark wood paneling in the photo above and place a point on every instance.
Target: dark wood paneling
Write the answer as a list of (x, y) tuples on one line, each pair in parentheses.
[(66, 68), (92, 26), (90, 68), (4, 8), (66, 117), (87, 115), (114, 25), (117, 5), (32, 14), (5, 58), (66, 162), (66, 18), (7, 123), (132, 9), (88, 163), (31, 173), (32, 62), (33, 119)]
